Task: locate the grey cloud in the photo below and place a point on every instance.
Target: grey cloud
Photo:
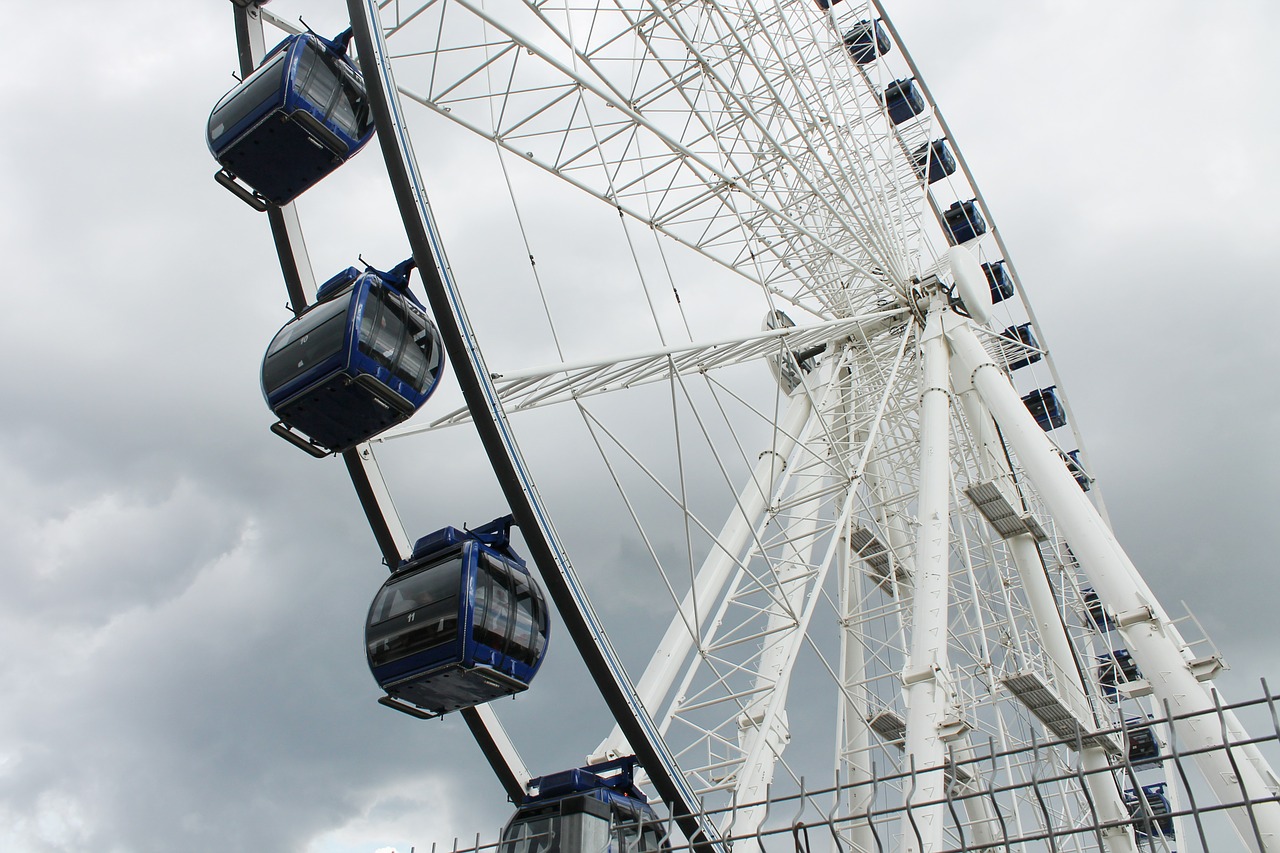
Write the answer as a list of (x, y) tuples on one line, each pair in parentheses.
[(184, 594)]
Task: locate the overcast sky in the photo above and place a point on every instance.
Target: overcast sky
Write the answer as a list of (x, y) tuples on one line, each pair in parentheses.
[(184, 594)]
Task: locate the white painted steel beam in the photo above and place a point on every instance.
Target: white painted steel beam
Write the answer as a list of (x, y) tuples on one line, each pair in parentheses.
[(1107, 798), (926, 675), (763, 724), (558, 383), (1152, 639), (1025, 552)]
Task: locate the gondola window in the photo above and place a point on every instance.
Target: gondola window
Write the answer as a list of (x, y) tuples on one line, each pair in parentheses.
[(323, 83), (262, 86), (532, 836), (527, 641), (493, 617), (430, 598), (293, 354), (383, 334)]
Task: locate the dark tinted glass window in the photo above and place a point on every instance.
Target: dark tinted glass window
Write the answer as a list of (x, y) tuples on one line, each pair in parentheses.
[(634, 831), (415, 613), (539, 623), (412, 367), (481, 603), (429, 585), (261, 86), (626, 837), (317, 82), (383, 335), (524, 630), (493, 626), (427, 353), (398, 337), (536, 835), (330, 86), (351, 109), (651, 839), (304, 343), (570, 833)]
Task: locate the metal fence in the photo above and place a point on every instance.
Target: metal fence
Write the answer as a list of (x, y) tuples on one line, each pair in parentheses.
[(1032, 799)]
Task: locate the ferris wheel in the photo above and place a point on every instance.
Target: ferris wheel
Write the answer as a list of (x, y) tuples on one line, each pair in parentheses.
[(801, 415)]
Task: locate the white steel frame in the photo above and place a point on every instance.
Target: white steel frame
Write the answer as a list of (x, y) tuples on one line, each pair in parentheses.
[(908, 537)]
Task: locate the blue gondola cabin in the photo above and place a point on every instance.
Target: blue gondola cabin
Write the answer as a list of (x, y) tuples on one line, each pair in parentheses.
[(1144, 746), (1077, 470), (1151, 813), (459, 623), (1114, 669), (1025, 348), (593, 809), (933, 161), (903, 100), (364, 358), (1097, 612), (298, 117), (998, 278), (1044, 405), (866, 41), (964, 222)]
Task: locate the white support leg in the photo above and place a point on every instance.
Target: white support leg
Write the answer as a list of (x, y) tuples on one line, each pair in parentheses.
[(1103, 790), (763, 731), (1148, 635), (924, 677), (853, 762), (1053, 634), (854, 755), (983, 829)]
